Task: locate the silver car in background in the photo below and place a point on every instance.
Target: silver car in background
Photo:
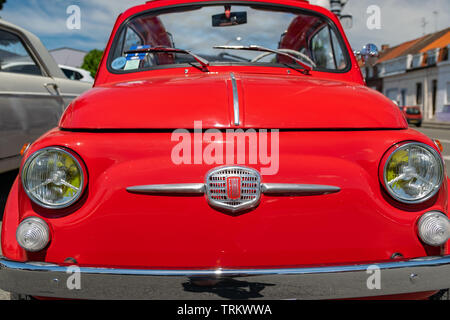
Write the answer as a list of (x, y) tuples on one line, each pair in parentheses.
[(33, 92)]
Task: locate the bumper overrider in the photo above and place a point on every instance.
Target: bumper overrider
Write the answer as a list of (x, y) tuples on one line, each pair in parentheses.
[(327, 282)]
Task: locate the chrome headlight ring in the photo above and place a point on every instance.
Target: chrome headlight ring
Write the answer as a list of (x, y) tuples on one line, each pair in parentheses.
[(434, 172), (57, 187)]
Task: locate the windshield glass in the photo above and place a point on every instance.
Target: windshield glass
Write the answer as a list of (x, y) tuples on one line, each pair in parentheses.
[(412, 111), (232, 28)]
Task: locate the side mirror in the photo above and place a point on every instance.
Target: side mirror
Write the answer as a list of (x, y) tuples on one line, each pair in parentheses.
[(369, 54)]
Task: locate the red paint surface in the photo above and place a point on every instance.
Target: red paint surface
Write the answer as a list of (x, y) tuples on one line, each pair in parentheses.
[(111, 227)]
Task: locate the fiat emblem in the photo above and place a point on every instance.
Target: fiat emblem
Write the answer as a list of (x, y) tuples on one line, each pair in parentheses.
[(233, 188)]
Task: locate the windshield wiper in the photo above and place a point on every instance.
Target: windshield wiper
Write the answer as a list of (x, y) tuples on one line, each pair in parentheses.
[(203, 62), (308, 67)]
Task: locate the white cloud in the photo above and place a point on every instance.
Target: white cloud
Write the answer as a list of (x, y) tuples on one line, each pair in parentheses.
[(48, 18), (400, 20)]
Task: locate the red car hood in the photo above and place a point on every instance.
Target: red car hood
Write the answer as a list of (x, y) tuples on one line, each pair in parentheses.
[(265, 101)]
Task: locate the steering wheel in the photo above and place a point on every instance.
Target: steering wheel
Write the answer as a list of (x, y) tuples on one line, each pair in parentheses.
[(293, 52)]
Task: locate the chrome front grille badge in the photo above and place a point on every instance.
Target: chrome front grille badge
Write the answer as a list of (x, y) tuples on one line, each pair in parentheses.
[(233, 188)]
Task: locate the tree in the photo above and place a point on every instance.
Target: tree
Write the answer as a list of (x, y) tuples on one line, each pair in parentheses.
[(1, 4), (92, 61)]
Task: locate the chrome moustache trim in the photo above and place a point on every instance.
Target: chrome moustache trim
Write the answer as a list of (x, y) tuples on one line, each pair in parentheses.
[(170, 189), (282, 189)]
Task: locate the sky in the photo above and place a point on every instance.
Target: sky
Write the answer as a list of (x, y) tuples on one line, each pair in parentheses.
[(400, 20)]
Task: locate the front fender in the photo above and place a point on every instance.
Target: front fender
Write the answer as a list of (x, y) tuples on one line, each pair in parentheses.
[(11, 219)]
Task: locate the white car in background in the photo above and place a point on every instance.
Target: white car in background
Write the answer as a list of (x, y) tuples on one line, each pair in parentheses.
[(34, 92), (76, 74)]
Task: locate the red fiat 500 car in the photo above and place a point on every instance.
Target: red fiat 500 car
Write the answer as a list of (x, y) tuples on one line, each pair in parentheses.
[(229, 149)]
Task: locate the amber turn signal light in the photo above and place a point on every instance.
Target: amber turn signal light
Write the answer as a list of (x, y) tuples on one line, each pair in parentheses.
[(439, 145), (24, 149)]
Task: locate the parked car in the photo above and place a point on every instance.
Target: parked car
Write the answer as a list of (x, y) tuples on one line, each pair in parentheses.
[(278, 174), (413, 115), (77, 74), (33, 92), (444, 115)]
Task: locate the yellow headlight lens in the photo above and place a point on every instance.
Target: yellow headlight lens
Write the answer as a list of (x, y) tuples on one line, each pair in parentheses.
[(53, 178), (413, 173)]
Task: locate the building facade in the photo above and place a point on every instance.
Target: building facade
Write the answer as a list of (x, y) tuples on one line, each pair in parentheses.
[(415, 73), (68, 56), (444, 84)]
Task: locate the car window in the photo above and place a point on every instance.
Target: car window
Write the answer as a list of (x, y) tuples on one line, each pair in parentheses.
[(337, 51), (78, 76), (326, 50), (132, 39), (69, 74), (14, 57), (412, 111), (207, 32)]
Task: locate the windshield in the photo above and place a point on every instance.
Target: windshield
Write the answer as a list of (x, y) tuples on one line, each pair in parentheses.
[(412, 111), (215, 32)]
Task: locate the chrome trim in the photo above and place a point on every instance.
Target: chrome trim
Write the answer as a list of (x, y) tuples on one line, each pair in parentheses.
[(28, 94), (167, 189), (297, 189), (317, 282), (433, 152), (54, 86), (235, 100), (37, 94), (266, 188), (70, 95)]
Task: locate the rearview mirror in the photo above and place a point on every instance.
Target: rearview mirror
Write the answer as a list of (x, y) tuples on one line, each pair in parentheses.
[(235, 18)]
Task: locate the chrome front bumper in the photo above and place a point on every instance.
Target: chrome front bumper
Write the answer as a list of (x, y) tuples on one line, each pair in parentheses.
[(330, 282)]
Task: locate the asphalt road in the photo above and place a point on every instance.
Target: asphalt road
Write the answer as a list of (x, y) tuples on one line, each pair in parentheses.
[(3, 295), (442, 134)]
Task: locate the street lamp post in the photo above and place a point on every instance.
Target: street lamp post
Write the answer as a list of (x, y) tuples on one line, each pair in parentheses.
[(336, 6)]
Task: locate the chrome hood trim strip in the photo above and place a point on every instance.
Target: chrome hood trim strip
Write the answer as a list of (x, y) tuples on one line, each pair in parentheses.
[(235, 100)]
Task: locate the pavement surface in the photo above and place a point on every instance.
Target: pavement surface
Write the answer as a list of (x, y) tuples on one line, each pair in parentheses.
[(440, 133), (443, 135), (3, 295), (6, 180)]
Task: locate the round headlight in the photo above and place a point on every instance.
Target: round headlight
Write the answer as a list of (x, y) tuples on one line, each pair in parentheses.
[(434, 228), (33, 234), (413, 173), (53, 178)]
